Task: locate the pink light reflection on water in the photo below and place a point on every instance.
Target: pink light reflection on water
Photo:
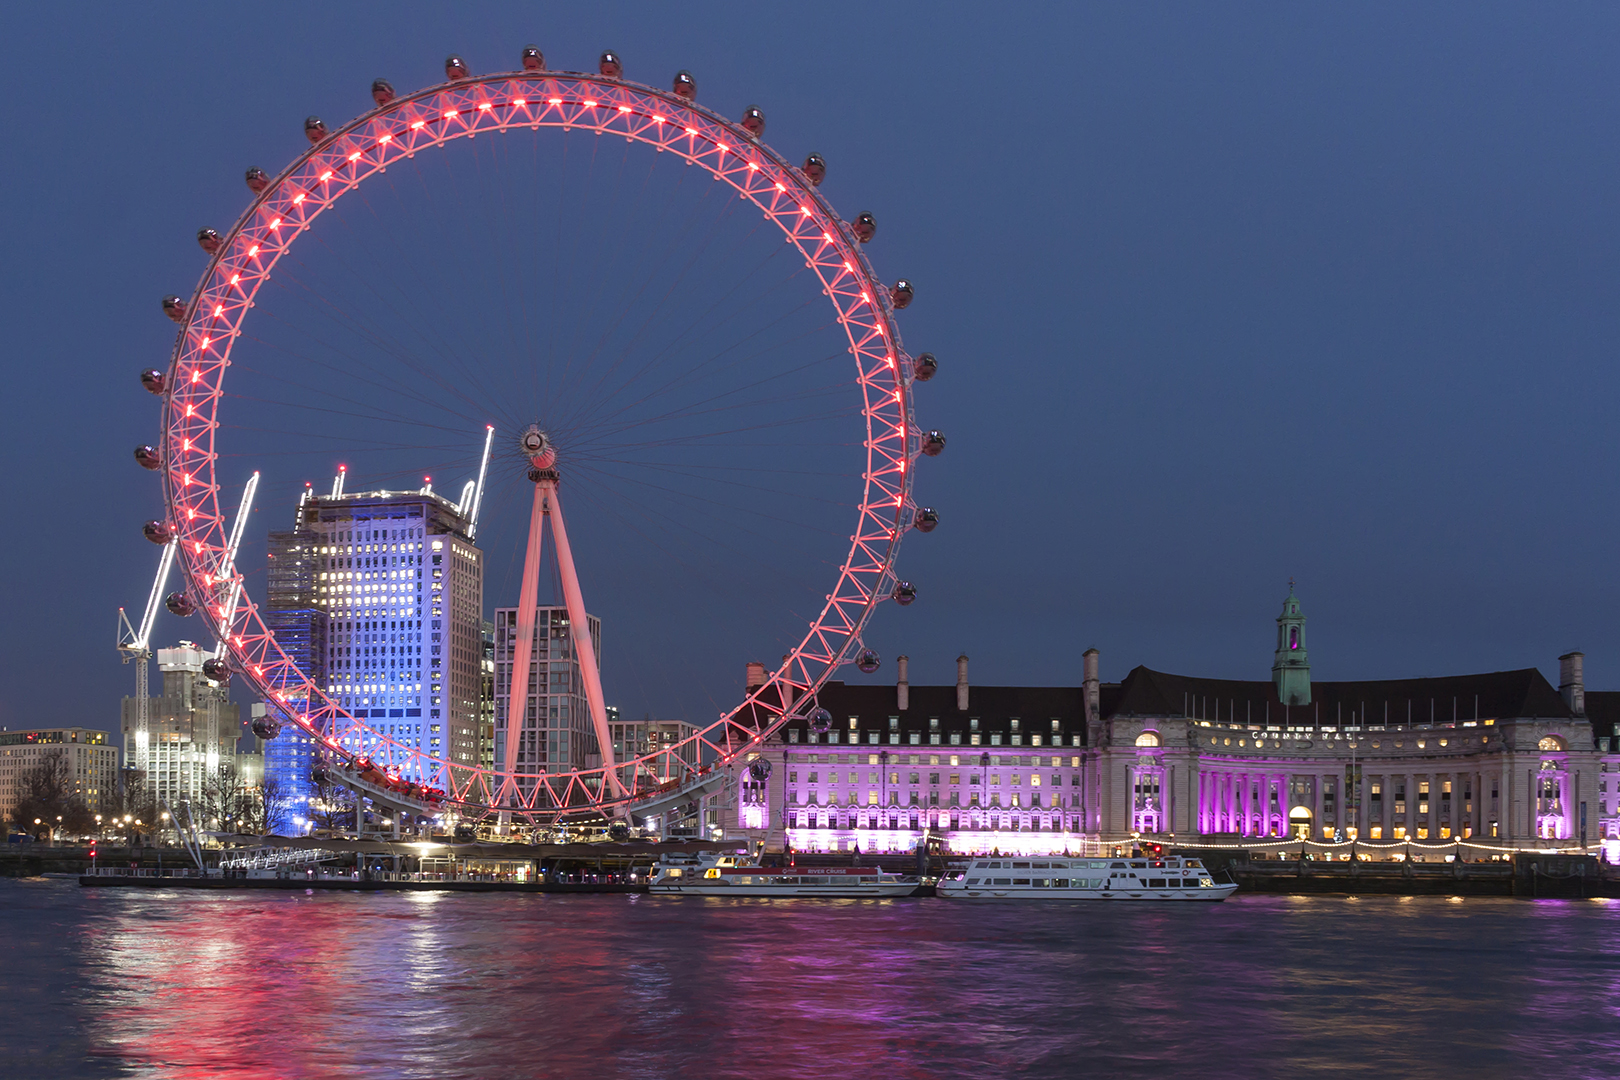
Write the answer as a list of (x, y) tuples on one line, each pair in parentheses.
[(444, 985)]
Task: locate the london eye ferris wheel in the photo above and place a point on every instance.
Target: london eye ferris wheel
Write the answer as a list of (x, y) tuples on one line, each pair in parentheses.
[(625, 301)]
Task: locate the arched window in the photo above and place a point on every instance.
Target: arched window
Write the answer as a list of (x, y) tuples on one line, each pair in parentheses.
[(1552, 742), (1148, 738)]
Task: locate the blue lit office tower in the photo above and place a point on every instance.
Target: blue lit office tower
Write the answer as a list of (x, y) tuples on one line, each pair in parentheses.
[(302, 628), (397, 582)]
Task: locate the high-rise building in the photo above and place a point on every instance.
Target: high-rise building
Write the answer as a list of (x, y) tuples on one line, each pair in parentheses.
[(91, 759), (302, 626), (399, 583), (556, 730), (486, 696), (193, 725)]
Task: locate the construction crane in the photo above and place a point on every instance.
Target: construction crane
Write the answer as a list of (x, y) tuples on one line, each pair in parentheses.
[(135, 644)]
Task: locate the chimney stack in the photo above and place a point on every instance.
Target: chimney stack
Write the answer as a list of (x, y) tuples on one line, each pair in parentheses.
[(1572, 681), (1093, 686), (903, 690), (756, 675), (961, 683)]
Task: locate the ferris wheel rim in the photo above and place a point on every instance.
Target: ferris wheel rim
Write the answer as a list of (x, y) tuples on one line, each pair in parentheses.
[(207, 336)]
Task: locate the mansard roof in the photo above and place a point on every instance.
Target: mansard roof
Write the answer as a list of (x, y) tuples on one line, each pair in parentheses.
[(994, 707), (1499, 695)]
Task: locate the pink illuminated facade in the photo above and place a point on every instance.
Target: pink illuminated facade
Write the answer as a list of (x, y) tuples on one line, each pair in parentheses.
[(1468, 764)]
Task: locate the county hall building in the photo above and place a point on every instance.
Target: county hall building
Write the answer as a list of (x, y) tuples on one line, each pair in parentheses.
[(1472, 763)]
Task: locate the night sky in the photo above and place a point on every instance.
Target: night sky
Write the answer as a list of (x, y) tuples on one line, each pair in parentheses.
[(1222, 295)]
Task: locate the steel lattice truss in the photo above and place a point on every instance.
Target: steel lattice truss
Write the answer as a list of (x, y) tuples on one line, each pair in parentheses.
[(494, 104)]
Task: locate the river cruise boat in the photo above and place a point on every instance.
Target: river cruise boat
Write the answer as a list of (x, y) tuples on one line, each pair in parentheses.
[(1168, 878), (737, 875)]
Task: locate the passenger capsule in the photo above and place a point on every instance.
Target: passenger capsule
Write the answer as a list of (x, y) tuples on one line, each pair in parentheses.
[(154, 380), (314, 129), (179, 604), (904, 593), (609, 65), (455, 68), (382, 91), (924, 367), (753, 121), (618, 831), (265, 727), (320, 775), (148, 457), (533, 59), (867, 661), (927, 519), (820, 721), (257, 180), (932, 443), (815, 169), (760, 770), (157, 532), (216, 669), (864, 226), (900, 294), (685, 86), (174, 308), (210, 241)]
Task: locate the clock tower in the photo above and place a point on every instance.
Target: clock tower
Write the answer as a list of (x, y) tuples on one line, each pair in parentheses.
[(1291, 670)]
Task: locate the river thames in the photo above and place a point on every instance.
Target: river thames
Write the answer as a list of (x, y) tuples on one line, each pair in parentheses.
[(109, 982)]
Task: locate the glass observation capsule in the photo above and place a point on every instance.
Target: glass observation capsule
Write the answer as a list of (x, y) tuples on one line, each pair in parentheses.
[(760, 770), (314, 129), (257, 180), (924, 367), (216, 669), (933, 443), (753, 121), (210, 241), (174, 308), (864, 226), (820, 721), (926, 520), (157, 532), (904, 593), (868, 661), (685, 86), (148, 457), (609, 65), (179, 604), (533, 59), (455, 68), (382, 91), (815, 169), (900, 294), (154, 380), (265, 728)]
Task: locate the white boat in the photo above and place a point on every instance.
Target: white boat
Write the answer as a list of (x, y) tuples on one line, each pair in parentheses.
[(1167, 878), (736, 875)]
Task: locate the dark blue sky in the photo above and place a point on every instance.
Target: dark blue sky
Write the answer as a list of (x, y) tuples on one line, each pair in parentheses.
[(1222, 295)]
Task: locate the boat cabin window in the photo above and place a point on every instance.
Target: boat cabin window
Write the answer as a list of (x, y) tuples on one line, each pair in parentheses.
[(1116, 866), (1020, 866)]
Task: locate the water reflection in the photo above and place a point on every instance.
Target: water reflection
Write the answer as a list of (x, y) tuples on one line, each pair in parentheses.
[(314, 985)]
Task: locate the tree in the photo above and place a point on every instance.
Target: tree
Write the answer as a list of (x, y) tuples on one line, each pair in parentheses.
[(332, 808), (277, 807), (46, 792), (134, 800)]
